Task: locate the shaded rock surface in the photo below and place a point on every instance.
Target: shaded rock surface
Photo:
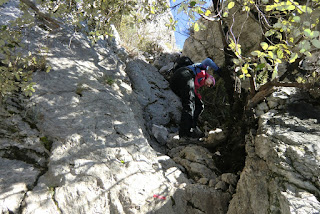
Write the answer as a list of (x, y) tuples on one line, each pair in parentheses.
[(96, 138), (81, 143), (98, 155), (160, 105), (281, 174)]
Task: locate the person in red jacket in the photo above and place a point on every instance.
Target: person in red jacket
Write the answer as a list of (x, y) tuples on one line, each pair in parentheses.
[(203, 79), (185, 82)]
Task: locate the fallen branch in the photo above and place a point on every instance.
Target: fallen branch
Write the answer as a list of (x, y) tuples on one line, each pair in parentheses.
[(286, 84), (258, 97), (270, 87), (48, 20)]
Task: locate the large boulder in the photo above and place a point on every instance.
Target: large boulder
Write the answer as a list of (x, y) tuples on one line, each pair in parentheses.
[(205, 43), (281, 173), (208, 42), (161, 106)]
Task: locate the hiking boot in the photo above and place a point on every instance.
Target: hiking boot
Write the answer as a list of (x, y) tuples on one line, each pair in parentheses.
[(194, 133), (197, 133)]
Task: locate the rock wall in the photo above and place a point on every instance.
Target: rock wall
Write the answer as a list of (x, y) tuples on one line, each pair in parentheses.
[(157, 31), (204, 43), (76, 145), (208, 41), (282, 168), (85, 143), (161, 111), (281, 173), (81, 143)]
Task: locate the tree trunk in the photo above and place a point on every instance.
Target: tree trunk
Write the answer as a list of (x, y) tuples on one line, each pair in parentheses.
[(216, 4)]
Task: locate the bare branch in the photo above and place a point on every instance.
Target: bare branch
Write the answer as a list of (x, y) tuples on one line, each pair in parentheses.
[(48, 20), (263, 16), (298, 5), (231, 32), (211, 18), (177, 5), (242, 26), (258, 97)]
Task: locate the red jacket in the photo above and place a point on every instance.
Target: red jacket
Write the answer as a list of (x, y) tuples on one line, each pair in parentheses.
[(199, 81)]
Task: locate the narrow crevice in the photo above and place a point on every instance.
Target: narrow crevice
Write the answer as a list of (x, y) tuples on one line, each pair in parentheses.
[(28, 156), (190, 204), (30, 188), (53, 197), (316, 187)]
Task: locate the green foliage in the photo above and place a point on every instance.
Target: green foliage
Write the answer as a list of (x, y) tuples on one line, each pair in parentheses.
[(46, 143), (107, 79), (312, 75), (98, 15), (262, 77), (291, 36), (134, 35), (17, 66), (92, 16), (193, 8), (313, 78), (289, 28), (16, 69)]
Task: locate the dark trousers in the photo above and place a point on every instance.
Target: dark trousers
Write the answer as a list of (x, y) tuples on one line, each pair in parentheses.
[(182, 84)]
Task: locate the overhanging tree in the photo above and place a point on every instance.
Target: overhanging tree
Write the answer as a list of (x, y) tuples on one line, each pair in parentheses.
[(289, 31)]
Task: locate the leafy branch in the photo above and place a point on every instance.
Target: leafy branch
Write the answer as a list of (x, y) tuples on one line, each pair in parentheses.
[(289, 34)]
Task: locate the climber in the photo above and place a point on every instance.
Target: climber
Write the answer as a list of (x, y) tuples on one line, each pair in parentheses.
[(185, 82)]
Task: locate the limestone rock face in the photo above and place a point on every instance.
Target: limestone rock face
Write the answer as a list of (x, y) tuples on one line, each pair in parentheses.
[(161, 105), (81, 143), (99, 161), (205, 43), (16, 178), (92, 139), (208, 42), (282, 169), (157, 31), (246, 28)]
